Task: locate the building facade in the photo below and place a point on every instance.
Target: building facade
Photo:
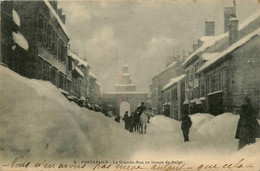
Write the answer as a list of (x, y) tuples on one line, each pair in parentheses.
[(125, 97), (233, 75), (43, 26), (14, 46), (198, 88), (173, 97), (172, 70)]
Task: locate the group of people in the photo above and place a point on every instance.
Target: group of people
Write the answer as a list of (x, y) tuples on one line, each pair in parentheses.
[(248, 128), (132, 121)]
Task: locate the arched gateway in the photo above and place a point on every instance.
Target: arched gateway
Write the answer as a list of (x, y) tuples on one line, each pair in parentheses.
[(124, 97)]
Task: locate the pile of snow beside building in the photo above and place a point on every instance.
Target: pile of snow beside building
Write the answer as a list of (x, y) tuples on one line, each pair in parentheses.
[(37, 121)]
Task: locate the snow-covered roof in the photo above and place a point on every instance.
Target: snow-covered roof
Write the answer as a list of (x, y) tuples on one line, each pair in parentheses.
[(73, 56), (206, 38), (211, 41), (250, 19), (173, 81), (16, 18), (202, 98), (172, 64), (92, 75), (97, 83), (208, 42), (79, 71), (20, 40), (83, 63), (208, 56), (53, 12), (63, 91), (236, 45), (82, 98)]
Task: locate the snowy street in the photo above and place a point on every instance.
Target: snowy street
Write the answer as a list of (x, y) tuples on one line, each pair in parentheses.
[(41, 123)]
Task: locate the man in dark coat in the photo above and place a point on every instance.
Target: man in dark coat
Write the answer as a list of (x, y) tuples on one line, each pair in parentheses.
[(126, 119), (247, 128), (185, 127), (141, 108), (131, 122)]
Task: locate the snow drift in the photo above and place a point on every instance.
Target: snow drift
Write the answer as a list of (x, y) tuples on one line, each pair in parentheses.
[(38, 122)]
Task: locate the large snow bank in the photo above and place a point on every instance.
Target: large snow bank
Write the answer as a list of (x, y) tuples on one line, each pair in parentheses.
[(37, 121)]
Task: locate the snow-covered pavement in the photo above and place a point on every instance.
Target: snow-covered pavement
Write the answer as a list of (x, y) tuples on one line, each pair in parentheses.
[(38, 122)]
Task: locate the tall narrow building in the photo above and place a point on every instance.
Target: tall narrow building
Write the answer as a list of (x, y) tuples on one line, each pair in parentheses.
[(125, 84)]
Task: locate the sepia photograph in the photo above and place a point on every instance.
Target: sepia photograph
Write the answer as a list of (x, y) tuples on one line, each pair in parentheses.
[(130, 85)]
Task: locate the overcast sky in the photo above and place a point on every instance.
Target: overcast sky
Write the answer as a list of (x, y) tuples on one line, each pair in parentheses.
[(143, 32)]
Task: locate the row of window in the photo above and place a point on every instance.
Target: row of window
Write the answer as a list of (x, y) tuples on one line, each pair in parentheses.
[(217, 81), (51, 40), (214, 82), (171, 96)]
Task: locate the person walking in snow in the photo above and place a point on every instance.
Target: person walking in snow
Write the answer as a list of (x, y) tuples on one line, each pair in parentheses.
[(131, 122), (247, 128), (185, 127), (126, 119)]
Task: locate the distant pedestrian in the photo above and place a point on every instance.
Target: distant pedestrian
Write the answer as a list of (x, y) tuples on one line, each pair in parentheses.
[(185, 127), (117, 119), (126, 119), (131, 122), (247, 128)]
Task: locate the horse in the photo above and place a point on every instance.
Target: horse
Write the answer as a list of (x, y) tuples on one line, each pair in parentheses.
[(143, 121)]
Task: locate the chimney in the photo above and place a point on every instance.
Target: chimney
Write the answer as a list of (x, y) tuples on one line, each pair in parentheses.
[(55, 5), (229, 12), (233, 31), (200, 43), (195, 46), (183, 56), (209, 28), (60, 12), (63, 18)]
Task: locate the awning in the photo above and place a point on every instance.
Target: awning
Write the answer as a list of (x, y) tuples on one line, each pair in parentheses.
[(63, 91), (202, 98), (193, 100), (82, 98), (186, 101), (167, 103), (198, 102), (70, 97), (216, 92)]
